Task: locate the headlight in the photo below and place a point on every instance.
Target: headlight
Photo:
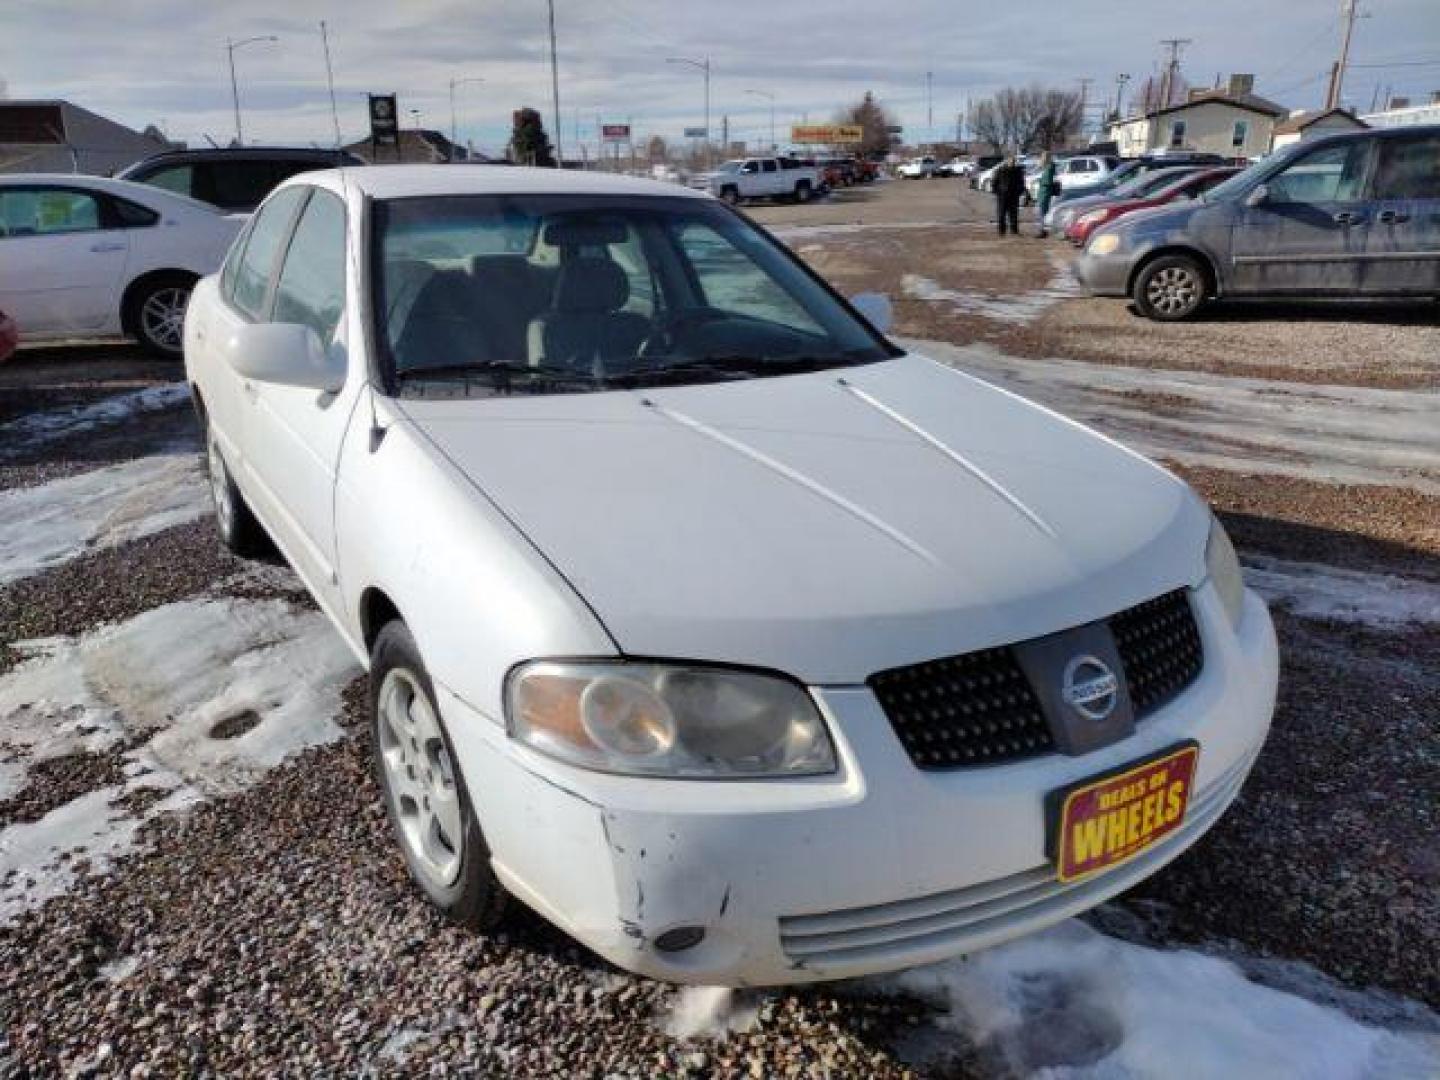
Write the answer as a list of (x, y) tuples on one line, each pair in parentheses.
[(1104, 243), (664, 720), (1223, 568)]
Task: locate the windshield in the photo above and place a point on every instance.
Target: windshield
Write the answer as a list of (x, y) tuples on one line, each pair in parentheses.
[(730, 166), (1242, 180), (562, 294)]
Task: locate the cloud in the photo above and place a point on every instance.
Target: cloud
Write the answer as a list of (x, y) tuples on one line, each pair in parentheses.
[(166, 59)]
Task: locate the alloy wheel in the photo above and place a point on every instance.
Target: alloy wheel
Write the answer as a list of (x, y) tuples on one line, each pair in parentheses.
[(1173, 290), (421, 778), (162, 317)]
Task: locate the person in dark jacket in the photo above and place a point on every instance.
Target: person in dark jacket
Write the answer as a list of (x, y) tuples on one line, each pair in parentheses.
[(1009, 187)]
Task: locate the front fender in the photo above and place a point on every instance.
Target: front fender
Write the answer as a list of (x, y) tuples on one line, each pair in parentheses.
[(477, 596)]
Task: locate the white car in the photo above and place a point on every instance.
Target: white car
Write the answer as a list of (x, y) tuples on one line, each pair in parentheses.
[(741, 644), (917, 168), (1077, 174), (86, 256), (761, 178)]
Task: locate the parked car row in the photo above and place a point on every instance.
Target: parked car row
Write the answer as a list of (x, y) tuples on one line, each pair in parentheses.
[(1349, 215), (1175, 185)]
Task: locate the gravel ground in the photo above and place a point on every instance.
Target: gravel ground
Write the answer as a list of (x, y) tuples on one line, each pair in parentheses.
[(275, 932)]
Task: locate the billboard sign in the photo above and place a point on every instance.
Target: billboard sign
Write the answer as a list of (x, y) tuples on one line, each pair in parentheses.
[(827, 134), (384, 120), (615, 133), (696, 132)]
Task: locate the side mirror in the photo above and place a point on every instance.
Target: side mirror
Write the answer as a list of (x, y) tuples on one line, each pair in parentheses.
[(285, 353), (876, 309), (1258, 195)]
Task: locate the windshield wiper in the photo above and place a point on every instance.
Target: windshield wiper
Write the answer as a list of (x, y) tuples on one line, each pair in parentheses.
[(493, 367)]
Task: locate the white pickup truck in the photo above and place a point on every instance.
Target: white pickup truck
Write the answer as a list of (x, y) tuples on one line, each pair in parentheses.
[(762, 178)]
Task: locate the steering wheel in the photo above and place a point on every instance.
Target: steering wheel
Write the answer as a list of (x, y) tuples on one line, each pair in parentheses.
[(661, 340)]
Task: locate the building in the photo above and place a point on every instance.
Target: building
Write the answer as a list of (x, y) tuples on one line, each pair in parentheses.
[(1233, 122), (57, 136), (1299, 126), (418, 146)]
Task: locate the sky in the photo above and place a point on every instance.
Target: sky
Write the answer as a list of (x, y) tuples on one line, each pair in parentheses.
[(164, 61)]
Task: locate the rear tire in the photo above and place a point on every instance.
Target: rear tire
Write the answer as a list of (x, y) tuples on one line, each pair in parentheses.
[(425, 794), (239, 529), (1171, 288), (155, 314), (802, 191)]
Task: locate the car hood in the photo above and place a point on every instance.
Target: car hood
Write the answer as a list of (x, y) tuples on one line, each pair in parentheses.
[(1162, 218), (831, 524)]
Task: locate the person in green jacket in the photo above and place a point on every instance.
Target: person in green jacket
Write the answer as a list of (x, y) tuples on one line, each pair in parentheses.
[(1045, 188)]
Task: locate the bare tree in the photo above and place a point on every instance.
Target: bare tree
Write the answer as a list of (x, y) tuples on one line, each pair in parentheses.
[(873, 119), (1027, 118), (656, 151)]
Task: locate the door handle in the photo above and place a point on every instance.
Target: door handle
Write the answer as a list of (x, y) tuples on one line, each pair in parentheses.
[(1347, 217), (107, 247), (1389, 216)]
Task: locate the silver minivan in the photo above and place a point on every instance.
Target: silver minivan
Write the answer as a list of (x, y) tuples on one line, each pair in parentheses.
[(1348, 215)]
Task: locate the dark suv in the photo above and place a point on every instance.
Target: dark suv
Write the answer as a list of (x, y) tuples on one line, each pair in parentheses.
[(1346, 215), (236, 180)]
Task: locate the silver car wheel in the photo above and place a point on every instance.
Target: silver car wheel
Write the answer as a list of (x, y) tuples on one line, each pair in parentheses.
[(1173, 290), (162, 317), (421, 778), (220, 487)]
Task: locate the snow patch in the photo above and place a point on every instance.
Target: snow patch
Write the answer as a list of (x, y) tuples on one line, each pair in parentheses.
[(1316, 591), (1070, 1002), (708, 1012), (1020, 309), (161, 682), (1334, 434), (120, 969), (802, 232), (52, 523), (37, 429)]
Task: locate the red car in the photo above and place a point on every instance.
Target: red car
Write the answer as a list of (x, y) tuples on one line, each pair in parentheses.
[(1187, 187), (9, 337)]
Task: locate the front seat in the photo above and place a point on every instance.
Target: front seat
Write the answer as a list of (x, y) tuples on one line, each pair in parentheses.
[(585, 328)]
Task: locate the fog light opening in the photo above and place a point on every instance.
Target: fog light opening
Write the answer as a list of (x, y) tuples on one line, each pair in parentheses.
[(680, 938)]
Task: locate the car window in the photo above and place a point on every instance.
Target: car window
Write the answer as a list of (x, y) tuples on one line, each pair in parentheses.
[(130, 215), (768, 166), (267, 233), (732, 281), (177, 178), (236, 185), (1330, 174), (1408, 168), (46, 211), (311, 289)]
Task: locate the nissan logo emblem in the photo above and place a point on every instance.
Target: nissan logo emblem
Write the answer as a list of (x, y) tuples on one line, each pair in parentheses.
[(1090, 687)]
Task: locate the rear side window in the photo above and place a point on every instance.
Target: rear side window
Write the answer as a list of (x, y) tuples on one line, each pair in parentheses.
[(236, 185), (1408, 168), (262, 249), (311, 290), (178, 178), (131, 215), (45, 211)]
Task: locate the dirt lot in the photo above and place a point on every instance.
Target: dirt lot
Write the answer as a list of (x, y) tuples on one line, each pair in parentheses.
[(235, 916)]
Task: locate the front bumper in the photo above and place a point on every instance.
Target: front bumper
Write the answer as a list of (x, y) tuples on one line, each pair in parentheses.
[(1104, 275), (877, 868)]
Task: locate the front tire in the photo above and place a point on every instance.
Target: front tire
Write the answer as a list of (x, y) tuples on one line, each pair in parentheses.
[(802, 191), (1171, 288), (425, 795), (239, 529), (730, 195), (156, 314)]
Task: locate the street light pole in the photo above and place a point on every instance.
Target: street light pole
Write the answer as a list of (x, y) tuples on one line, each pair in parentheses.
[(555, 88), (230, 47), (702, 65), (774, 146), (453, 84)]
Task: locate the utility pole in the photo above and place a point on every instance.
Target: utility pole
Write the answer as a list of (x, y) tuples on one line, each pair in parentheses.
[(1172, 68), (1120, 81), (555, 87), (704, 66), (930, 106), (453, 84), (1337, 72)]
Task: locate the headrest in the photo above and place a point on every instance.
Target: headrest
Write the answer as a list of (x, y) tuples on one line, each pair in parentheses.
[(591, 283), (586, 231)]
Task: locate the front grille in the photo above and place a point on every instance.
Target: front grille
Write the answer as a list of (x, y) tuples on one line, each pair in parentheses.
[(975, 709), (1159, 645), (980, 709)]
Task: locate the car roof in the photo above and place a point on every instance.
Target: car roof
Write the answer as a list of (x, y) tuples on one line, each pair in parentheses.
[(405, 181)]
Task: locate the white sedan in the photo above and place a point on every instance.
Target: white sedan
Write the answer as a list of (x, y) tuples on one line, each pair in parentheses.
[(84, 256), (741, 644)]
